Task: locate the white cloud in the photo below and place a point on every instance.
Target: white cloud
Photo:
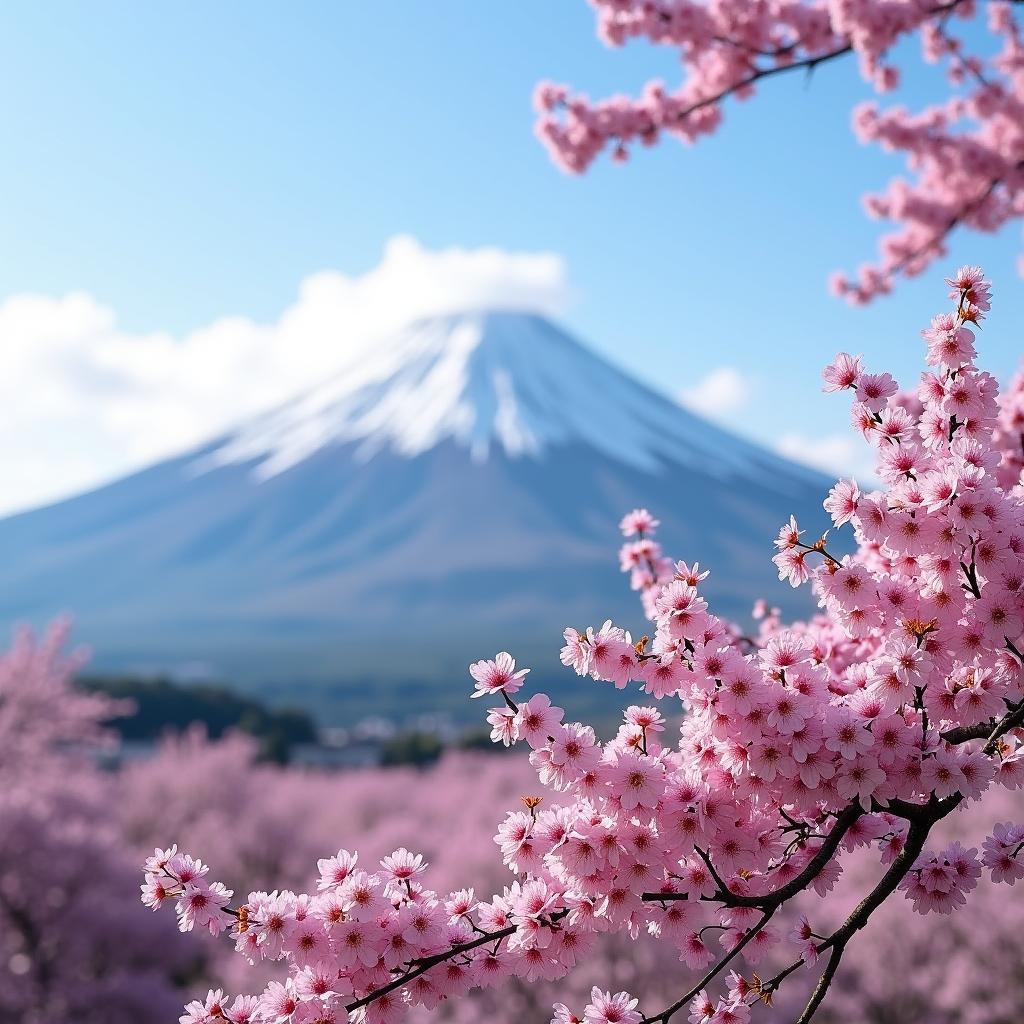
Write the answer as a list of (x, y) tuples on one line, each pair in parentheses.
[(82, 401), (723, 390), (839, 454)]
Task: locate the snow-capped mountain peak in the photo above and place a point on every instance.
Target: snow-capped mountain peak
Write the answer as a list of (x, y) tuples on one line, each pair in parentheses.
[(486, 380)]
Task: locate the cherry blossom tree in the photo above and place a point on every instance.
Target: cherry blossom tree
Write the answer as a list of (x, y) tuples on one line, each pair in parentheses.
[(965, 152), (72, 944), (863, 728)]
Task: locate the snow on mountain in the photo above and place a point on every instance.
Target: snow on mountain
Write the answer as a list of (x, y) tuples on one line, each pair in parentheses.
[(455, 490), (510, 381)]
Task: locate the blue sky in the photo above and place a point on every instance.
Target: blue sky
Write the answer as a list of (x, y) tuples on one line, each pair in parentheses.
[(189, 162)]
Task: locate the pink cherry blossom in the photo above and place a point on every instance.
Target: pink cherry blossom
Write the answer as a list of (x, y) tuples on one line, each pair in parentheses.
[(638, 521), (605, 1008), (537, 719), (497, 676)]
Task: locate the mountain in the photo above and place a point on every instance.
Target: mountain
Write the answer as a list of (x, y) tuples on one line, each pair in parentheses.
[(454, 491)]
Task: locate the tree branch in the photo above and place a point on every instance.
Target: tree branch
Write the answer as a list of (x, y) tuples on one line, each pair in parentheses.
[(971, 206), (424, 965), (898, 870), (837, 941), (807, 64), (669, 1011), (1011, 720), (773, 900)]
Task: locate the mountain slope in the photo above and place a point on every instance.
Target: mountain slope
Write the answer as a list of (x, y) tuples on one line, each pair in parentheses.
[(455, 490)]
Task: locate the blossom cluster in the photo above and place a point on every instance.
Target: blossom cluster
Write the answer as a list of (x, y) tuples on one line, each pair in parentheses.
[(966, 152), (863, 727)]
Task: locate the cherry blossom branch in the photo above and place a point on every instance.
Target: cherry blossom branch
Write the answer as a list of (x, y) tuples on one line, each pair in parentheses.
[(988, 730), (424, 964), (962, 152), (807, 64), (819, 547), (1011, 720), (837, 941), (666, 1015), (774, 899), (933, 245)]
